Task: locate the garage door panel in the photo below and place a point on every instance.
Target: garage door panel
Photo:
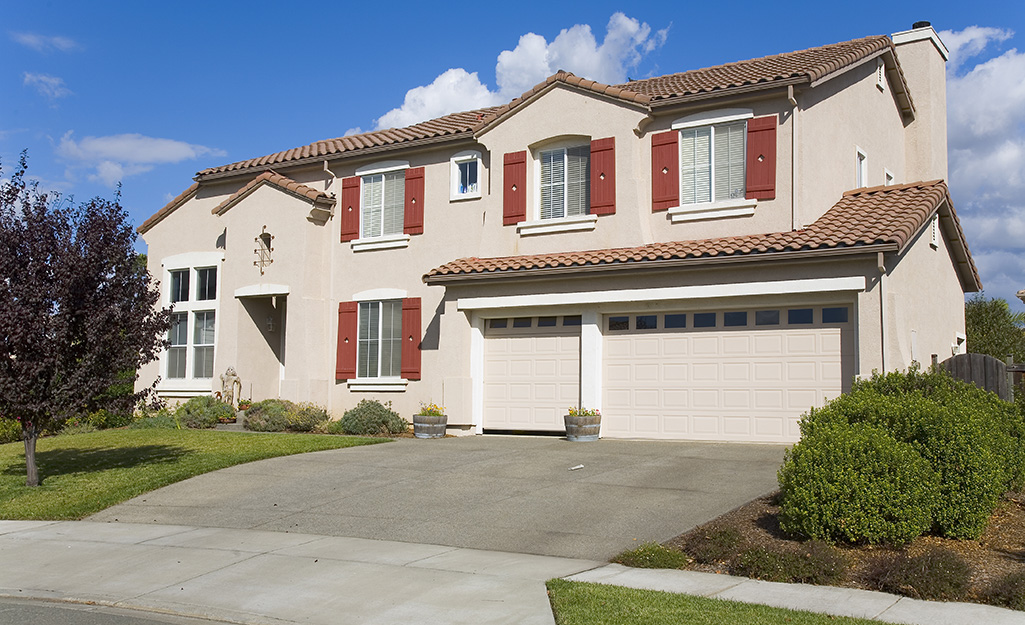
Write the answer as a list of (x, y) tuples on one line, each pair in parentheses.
[(767, 345), (736, 399), (733, 371), (675, 345), (705, 398), (647, 372), (674, 372), (735, 344), (768, 371), (705, 372), (705, 345)]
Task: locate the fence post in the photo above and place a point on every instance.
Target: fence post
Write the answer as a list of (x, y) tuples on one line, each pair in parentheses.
[(1010, 377)]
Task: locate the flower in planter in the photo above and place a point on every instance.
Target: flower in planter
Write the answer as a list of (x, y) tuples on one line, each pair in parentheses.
[(245, 404), (431, 410), (583, 412)]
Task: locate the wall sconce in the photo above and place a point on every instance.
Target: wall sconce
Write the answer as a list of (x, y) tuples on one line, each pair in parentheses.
[(270, 323)]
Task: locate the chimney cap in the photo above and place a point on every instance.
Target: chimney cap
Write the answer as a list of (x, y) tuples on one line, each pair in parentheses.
[(922, 24)]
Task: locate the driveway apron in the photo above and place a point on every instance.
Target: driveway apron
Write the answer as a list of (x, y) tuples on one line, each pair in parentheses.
[(534, 495)]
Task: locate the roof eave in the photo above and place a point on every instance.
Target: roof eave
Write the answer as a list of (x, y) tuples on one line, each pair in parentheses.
[(727, 91), (657, 265)]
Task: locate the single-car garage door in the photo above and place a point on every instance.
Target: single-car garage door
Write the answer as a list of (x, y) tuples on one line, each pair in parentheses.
[(531, 372), (742, 375)]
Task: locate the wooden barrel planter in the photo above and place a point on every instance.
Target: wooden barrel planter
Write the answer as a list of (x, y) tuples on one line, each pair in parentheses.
[(582, 428), (429, 426)]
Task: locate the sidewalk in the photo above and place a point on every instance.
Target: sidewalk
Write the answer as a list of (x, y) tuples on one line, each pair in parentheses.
[(259, 577)]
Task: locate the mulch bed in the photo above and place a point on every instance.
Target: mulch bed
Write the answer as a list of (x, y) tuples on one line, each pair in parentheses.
[(998, 552)]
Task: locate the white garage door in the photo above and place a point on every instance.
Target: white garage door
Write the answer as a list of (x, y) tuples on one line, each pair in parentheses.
[(743, 375), (531, 372)]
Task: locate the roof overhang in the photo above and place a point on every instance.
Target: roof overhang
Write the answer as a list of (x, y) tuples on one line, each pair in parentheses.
[(261, 290)]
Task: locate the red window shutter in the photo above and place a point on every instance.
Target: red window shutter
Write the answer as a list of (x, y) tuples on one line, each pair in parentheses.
[(514, 198), (761, 158), (411, 338), (665, 170), (603, 176), (345, 361), (350, 209), (413, 219)]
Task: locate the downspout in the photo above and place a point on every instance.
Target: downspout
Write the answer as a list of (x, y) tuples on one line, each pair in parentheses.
[(793, 157), (881, 266)]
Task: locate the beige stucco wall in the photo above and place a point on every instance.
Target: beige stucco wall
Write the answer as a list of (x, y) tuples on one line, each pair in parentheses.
[(926, 137)]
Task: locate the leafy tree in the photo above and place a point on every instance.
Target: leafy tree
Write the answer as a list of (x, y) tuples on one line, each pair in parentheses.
[(993, 328), (77, 311)]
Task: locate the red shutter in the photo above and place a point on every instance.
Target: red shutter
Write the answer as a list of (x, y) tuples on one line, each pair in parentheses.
[(514, 198), (345, 360), (603, 176), (665, 170), (411, 338), (761, 158), (413, 220), (350, 209)]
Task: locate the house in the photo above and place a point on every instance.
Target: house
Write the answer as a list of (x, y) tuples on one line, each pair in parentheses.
[(703, 255)]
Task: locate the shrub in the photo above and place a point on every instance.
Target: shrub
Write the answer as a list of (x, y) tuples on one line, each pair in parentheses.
[(713, 544), (202, 412), (10, 431), (822, 563), (1008, 591), (938, 574), (106, 419), (162, 419), (652, 556), (305, 417), (854, 483), (815, 562), (371, 417), (269, 415)]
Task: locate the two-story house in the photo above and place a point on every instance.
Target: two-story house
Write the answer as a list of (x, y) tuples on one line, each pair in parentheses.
[(702, 255)]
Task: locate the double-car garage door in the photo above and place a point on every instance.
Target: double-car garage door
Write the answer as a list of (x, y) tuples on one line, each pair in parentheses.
[(738, 375)]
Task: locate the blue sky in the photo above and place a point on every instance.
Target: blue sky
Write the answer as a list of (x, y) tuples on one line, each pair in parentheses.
[(149, 93)]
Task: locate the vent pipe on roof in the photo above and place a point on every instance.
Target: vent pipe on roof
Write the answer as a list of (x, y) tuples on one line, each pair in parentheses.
[(921, 25)]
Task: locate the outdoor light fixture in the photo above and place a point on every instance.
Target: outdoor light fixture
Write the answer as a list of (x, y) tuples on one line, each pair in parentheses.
[(270, 323)]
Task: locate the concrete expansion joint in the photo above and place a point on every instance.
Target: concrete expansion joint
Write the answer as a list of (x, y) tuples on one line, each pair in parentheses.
[(888, 608)]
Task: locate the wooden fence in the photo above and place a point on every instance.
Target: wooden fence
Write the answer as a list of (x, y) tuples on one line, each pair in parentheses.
[(985, 372)]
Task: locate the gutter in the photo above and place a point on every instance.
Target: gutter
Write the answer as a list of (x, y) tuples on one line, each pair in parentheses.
[(671, 101), (657, 265)]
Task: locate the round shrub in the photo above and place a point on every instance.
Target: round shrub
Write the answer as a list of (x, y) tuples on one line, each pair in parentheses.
[(854, 483), (305, 417), (269, 415), (937, 574), (204, 411), (10, 431), (372, 418)]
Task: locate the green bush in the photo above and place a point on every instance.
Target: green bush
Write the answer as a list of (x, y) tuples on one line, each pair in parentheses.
[(269, 415), (76, 426), (106, 419), (854, 483), (815, 562), (305, 417), (937, 574), (1008, 591), (10, 431), (652, 556), (372, 418), (713, 544), (822, 563), (204, 411), (162, 420)]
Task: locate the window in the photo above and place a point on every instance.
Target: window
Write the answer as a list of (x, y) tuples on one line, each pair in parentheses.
[(565, 182), (676, 321), (383, 203), (712, 163), (379, 341), (647, 322), (861, 170), (206, 283), (766, 317), (203, 342), (834, 315), (734, 319), (465, 176), (180, 286), (619, 323), (572, 320), (522, 322), (547, 322), (704, 320), (800, 316), (178, 336), (498, 323), (188, 363)]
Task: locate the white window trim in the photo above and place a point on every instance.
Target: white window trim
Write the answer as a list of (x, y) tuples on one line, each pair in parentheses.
[(377, 385), (860, 168), (385, 242), (712, 210), (710, 118), (574, 223), (191, 261), (381, 167), (454, 162), (574, 141)]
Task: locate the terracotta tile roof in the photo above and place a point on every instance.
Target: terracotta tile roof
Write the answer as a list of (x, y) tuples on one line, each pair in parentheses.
[(282, 182), (168, 208), (879, 215), (447, 126), (810, 64)]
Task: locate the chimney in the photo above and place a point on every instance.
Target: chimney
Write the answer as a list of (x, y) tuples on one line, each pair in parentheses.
[(923, 58)]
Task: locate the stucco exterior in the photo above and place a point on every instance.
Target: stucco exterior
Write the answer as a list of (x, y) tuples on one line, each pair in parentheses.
[(280, 323)]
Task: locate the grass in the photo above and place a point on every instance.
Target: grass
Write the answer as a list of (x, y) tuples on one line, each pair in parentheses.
[(85, 473), (579, 603)]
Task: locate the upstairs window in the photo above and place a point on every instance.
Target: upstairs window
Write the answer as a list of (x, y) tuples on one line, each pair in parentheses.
[(465, 176), (180, 285), (206, 283), (383, 203), (565, 182), (712, 163)]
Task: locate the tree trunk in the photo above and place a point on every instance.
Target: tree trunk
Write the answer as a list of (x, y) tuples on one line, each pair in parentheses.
[(30, 434)]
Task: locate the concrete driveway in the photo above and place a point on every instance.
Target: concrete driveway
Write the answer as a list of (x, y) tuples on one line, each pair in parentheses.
[(505, 493)]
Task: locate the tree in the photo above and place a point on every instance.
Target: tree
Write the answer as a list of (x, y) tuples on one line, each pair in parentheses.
[(992, 328), (77, 311)]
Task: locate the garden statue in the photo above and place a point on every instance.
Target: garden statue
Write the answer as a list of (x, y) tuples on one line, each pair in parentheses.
[(230, 380)]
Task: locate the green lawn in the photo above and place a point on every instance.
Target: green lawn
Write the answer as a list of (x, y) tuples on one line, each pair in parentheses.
[(578, 603), (85, 473)]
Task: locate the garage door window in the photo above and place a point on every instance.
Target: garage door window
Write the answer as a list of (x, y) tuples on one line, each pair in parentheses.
[(647, 322), (675, 321), (573, 320), (547, 322), (800, 316), (704, 320), (834, 315), (522, 322), (619, 323), (767, 318), (734, 319), (498, 323)]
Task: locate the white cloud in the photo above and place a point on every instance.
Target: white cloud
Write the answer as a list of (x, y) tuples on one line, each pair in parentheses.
[(353, 131), (50, 86), (964, 44), (116, 156), (45, 43), (574, 49)]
